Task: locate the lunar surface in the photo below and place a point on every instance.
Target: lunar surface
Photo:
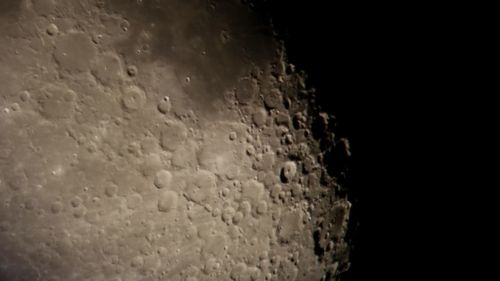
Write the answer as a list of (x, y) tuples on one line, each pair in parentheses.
[(160, 140)]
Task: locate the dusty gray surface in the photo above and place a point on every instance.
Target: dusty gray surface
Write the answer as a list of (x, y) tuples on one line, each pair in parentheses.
[(157, 140)]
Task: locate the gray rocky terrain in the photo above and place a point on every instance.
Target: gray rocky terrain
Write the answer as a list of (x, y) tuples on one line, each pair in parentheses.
[(159, 140)]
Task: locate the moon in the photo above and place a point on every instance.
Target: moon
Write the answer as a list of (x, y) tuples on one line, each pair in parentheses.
[(160, 140)]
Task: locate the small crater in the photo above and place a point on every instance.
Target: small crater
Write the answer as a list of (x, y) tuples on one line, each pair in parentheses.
[(163, 179), (167, 201), (272, 99), (134, 201), (288, 172), (52, 29), (133, 98), (165, 105)]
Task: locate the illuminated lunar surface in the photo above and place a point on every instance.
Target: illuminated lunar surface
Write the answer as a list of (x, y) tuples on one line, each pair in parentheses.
[(158, 140)]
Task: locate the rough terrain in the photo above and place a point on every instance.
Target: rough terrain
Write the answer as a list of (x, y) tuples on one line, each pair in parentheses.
[(159, 140)]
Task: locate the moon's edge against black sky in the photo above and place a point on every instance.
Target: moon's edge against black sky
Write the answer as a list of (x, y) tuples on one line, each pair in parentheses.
[(341, 47)]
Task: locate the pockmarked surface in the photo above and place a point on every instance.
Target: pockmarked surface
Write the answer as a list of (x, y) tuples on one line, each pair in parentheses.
[(159, 140)]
